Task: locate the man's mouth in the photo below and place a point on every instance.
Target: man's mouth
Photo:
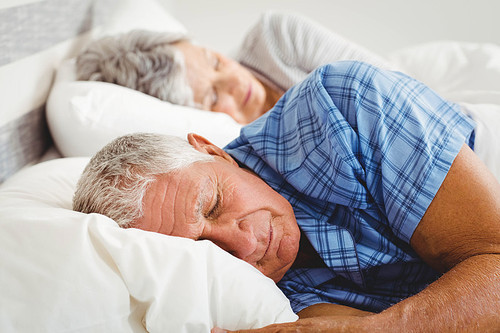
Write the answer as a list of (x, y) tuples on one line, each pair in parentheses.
[(269, 240)]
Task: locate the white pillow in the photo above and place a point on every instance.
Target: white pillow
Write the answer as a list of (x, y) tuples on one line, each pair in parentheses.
[(63, 271), (139, 14), (83, 116), (458, 71)]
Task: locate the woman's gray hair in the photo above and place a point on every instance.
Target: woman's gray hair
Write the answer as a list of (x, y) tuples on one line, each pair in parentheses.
[(142, 60), (116, 179)]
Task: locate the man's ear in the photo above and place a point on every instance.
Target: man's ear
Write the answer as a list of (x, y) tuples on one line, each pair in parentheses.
[(203, 145)]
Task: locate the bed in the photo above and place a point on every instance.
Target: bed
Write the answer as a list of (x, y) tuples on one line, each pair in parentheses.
[(64, 271)]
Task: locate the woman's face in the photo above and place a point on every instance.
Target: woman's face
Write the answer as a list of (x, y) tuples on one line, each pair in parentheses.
[(221, 84)]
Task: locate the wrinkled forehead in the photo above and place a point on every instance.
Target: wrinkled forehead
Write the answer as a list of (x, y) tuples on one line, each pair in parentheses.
[(173, 200), (196, 176)]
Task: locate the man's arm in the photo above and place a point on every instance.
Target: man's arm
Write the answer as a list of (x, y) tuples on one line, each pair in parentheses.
[(459, 235), (328, 309)]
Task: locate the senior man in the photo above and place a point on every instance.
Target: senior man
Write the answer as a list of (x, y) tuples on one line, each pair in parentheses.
[(358, 193)]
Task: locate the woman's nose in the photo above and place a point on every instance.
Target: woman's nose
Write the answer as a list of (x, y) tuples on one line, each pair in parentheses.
[(230, 83)]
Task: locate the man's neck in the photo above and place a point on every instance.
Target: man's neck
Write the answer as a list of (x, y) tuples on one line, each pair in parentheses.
[(307, 256)]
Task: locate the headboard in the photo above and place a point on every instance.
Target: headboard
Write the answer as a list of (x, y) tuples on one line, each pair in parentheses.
[(35, 38)]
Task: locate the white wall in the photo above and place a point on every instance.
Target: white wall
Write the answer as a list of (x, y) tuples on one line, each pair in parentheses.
[(379, 25)]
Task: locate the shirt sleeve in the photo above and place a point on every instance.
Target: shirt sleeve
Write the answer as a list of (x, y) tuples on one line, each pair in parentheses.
[(291, 46), (358, 136)]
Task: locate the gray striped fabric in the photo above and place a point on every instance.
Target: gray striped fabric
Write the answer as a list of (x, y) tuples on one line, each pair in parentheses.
[(26, 30), (22, 141), (31, 28)]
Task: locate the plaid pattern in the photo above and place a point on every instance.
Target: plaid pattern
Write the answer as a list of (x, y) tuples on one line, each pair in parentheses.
[(360, 153)]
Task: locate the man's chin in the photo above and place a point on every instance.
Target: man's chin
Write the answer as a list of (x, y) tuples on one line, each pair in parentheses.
[(278, 274), (286, 254)]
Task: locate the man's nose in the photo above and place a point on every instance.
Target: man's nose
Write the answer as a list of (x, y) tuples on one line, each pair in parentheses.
[(242, 236), (240, 243)]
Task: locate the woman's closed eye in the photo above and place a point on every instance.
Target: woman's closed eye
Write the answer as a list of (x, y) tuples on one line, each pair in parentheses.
[(216, 62), (213, 98)]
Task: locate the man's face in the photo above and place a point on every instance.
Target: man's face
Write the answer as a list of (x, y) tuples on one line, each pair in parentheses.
[(222, 85), (229, 206)]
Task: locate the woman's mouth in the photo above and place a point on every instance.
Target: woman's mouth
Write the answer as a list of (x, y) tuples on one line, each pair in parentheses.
[(247, 97)]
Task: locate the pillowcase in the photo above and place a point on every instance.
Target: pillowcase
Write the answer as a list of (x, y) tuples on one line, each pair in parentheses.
[(458, 71), (68, 271), (83, 116)]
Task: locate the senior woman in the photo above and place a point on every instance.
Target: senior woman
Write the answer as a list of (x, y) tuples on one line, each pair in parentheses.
[(278, 52)]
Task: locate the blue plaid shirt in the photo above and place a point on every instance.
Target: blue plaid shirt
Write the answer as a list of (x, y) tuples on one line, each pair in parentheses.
[(360, 153)]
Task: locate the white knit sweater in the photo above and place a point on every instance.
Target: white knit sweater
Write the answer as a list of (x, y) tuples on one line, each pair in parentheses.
[(282, 49)]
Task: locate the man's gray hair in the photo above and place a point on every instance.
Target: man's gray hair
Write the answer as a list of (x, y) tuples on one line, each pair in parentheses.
[(141, 60), (116, 179)]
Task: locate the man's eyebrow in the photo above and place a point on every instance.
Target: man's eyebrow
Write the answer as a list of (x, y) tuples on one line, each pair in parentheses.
[(201, 200)]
